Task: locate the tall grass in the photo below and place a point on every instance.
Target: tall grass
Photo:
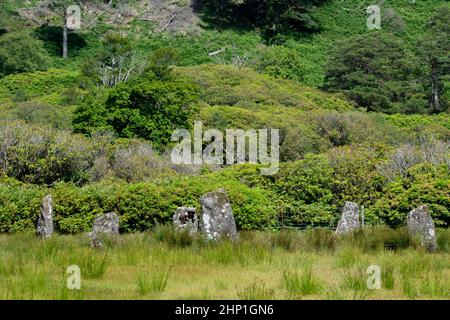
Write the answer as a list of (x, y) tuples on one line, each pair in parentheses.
[(388, 276), (317, 264), (256, 291), (92, 265), (305, 284), (152, 283)]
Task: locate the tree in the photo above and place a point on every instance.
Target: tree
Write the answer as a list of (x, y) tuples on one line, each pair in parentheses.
[(21, 53), (145, 108), (377, 72), (272, 17), (434, 48), (116, 62)]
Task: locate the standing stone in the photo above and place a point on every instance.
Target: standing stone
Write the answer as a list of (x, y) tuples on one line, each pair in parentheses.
[(349, 219), (186, 218), (44, 227), (105, 225), (421, 225), (217, 217)]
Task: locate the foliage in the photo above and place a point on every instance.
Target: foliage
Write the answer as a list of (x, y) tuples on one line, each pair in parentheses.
[(162, 61), (281, 62), (19, 53), (377, 72), (139, 206), (434, 50), (36, 155), (271, 16), (116, 62), (424, 184), (146, 109), (227, 85)]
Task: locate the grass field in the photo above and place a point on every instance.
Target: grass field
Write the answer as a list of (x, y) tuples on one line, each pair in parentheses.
[(166, 265)]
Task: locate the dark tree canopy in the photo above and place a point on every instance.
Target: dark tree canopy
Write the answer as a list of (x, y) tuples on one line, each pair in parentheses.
[(434, 50), (272, 17), (377, 72)]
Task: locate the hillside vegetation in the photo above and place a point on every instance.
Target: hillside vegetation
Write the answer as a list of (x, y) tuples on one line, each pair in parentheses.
[(363, 114)]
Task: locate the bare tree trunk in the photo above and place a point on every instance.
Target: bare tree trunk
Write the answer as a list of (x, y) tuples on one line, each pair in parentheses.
[(434, 101), (65, 35)]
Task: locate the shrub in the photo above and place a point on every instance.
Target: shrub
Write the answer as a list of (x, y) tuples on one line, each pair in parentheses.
[(424, 184), (143, 109), (38, 155), (21, 53), (306, 180), (355, 177), (139, 206), (281, 62)]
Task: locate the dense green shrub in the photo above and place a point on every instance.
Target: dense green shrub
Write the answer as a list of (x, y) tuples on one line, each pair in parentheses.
[(423, 184), (40, 83), (355, 177), (21, 53), (306, 180), (281, 62), (148, 108), (139, 206), (42, 155)]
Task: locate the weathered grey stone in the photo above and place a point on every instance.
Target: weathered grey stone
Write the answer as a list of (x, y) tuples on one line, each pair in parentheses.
[(44, 227), (350, 218), (217, 217), (186, 218), (104, 226), (421, 225)]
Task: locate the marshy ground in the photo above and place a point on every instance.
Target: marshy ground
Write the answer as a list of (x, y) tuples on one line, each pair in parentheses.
[(163, 264)]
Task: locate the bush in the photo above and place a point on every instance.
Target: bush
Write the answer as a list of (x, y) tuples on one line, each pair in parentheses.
[(38, 155), (424, 184), (143, 109), (306, 180), (21, 53), (281, 62), (355, 177), (139, 206)]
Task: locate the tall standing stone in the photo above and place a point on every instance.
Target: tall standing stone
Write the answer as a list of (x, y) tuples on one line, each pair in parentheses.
[(421, 225), (186, 218), (350, 218), (217, 219), (44, 227), (105, 225)]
